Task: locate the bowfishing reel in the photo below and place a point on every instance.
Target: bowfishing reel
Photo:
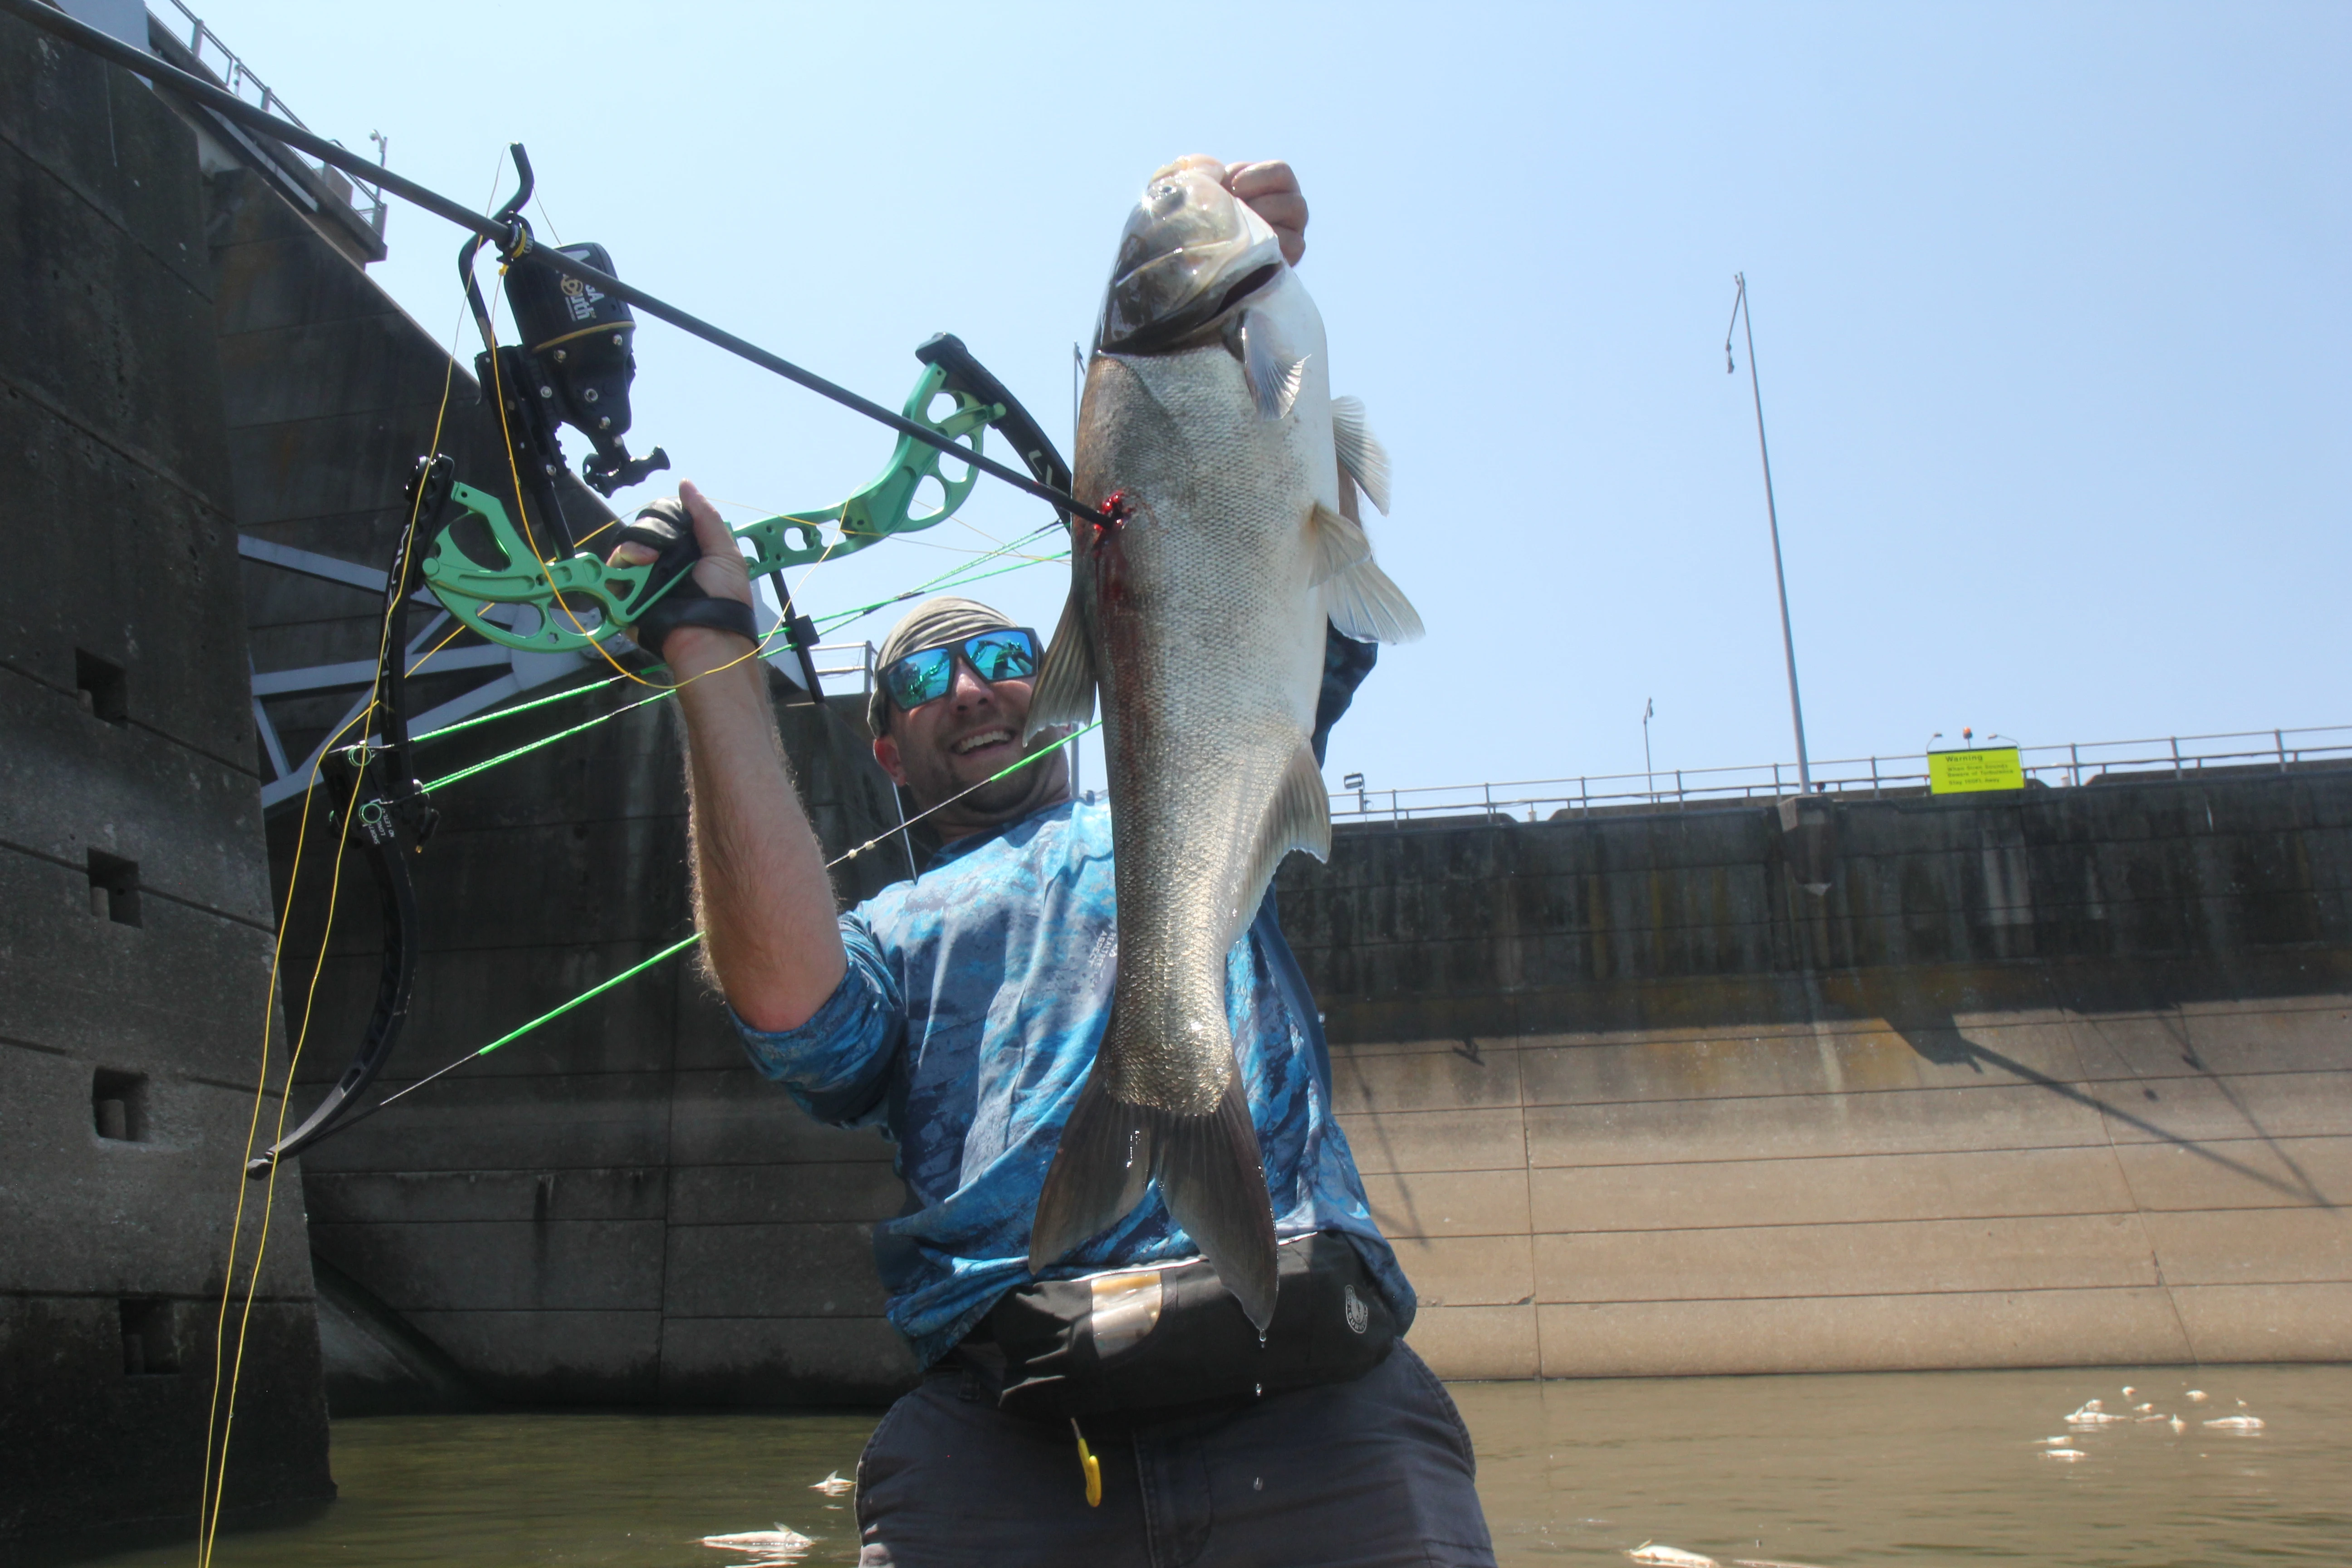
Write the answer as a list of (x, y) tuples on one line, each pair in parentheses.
[(578, 344)]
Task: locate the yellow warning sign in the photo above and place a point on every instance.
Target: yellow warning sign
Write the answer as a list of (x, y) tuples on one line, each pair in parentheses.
[(1987, 767)]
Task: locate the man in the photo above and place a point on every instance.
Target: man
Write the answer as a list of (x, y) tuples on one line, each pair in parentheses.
[(961, 1011)]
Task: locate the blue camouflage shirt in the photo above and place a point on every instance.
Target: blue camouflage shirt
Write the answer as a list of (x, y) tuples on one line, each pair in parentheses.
[(967, 1023)]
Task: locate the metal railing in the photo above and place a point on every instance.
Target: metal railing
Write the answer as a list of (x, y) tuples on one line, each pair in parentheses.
[(2057, 766), (849, 658), (237, 77)]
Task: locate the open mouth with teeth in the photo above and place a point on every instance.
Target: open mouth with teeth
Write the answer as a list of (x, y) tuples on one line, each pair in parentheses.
[(980, 742)]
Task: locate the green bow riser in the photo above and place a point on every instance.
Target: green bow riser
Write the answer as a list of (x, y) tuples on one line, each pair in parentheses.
[(482, 560)]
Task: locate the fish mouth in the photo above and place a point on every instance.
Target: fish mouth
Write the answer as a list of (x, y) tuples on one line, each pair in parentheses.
[(981, 741), (1191, 252)]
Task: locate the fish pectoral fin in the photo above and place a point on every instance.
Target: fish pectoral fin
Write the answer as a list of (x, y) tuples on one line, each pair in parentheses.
[(1366, 606), (1098, 1174), (1212, 1178), (1340, 543), (1299, 817), (1361, 456), (1274, 381), (1065, 692)]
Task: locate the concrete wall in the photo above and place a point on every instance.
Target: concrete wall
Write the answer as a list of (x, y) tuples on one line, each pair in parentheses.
[(614, 1209), (2056, 1077), (135, 917)]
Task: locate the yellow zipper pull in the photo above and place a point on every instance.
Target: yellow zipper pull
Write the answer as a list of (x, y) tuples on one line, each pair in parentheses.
[(1092, 1466)]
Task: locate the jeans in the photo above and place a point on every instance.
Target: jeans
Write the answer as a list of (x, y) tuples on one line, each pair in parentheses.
[(1352, 1475)]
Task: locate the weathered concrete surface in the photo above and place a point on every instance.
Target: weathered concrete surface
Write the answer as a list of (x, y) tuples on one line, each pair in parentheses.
[(2046, 1078), (135, 919)]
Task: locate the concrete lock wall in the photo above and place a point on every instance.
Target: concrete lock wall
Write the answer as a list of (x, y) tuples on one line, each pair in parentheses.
[(135, 917), (2046, 1078)]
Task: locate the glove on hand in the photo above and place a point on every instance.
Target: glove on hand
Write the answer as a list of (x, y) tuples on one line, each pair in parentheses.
[(665, 527)]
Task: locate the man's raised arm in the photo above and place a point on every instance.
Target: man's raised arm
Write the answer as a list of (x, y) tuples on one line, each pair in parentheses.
[(763, 898)]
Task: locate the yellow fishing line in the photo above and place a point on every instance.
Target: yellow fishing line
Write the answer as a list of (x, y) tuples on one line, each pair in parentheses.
[(211, 1484)]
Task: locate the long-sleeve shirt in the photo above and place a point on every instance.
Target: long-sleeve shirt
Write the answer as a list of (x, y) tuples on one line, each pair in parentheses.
[(975, 999)]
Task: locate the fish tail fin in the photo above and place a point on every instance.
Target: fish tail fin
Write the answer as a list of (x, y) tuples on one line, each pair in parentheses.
[(1213, 1179), (1098, 1174)]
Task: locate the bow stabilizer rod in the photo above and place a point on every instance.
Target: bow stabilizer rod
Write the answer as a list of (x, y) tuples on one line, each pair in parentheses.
[(514, 240)]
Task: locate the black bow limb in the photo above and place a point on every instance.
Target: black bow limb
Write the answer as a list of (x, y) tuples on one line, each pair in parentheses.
[(387, 818)]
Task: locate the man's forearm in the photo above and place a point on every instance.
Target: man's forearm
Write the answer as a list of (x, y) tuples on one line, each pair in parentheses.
[(761, 893)]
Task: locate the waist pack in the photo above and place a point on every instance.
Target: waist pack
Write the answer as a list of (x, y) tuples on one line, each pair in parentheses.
[(1162, 1338)]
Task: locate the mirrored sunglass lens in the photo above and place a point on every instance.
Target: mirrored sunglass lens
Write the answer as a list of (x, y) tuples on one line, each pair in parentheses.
[(920, 678), (1003, 657)]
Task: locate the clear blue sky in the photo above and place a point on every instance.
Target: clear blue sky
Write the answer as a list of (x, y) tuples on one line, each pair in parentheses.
[(2050, 303)]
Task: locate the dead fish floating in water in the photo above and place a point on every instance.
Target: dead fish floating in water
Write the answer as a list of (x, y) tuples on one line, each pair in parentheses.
[(2064, 1454), (2179, 1425), (1670, 1557), (2091, 1415), (833, 1485), (782, 1544), (1199, 615), (2197, 1397), (2237, 1422)]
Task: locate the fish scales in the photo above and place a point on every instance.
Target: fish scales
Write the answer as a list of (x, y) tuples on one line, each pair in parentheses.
[(1211, 652), (1199, 614)]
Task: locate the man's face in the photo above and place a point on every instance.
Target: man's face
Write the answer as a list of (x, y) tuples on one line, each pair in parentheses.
[(952, 743)]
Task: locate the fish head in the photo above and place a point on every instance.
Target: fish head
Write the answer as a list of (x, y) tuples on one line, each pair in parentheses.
[(1190, 253)]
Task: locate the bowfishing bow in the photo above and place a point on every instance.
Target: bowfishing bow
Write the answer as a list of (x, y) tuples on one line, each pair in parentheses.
[(534, 586)]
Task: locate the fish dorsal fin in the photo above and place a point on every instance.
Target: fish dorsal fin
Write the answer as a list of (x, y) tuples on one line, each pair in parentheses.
[(1299, 817), (1065, 692), (1366, 606), (1340, 544), (1274, 381), (1361, 456)]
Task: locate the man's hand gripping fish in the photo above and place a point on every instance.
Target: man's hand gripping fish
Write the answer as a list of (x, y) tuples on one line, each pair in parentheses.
[(1200, 614)]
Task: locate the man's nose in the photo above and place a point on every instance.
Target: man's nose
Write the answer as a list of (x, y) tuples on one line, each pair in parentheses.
[(969, 688)]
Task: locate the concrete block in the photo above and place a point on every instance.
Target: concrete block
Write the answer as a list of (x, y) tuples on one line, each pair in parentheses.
[(822, 1270), (865, 1190), (126, 348), (184, 991), (157, 601), (2031, 1253), (2300, 1034), (1777, 1126), (1862, 1334), (191, 822), (2259, 1105), (785, 1362), (133, 1216), (2253, 1247), (737, 1118), (2238, 1172), (1463, 1342), (1406, 1141), (374, 1197), (1467, 1270), (551, 1357), (593, 1121), (1449, 1202), (561, 1266), (2268, 1322), (1971, 1185), (1438, 1075)]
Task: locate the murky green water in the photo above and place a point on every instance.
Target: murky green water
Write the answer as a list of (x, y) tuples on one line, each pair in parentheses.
[(1840, 1471)]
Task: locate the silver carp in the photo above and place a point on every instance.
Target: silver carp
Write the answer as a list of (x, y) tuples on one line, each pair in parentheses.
[(1200, 619)]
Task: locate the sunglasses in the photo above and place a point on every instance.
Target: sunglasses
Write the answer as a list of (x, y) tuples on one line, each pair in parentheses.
[(925, 675)]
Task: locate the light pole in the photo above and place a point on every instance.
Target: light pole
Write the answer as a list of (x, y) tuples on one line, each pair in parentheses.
[(1649, 773), (1740, 318)]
